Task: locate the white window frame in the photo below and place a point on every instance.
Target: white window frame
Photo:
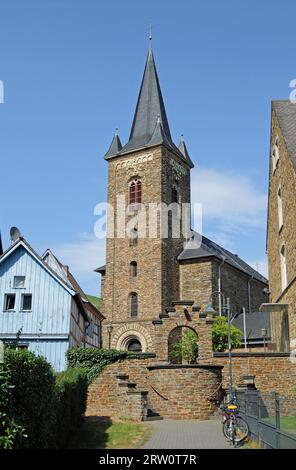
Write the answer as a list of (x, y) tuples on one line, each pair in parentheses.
[(18, 277), (283, 261), (22, 303), (275, 153), (280, 207), (5, 302)]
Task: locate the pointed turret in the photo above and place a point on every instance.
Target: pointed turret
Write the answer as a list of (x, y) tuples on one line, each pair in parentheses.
[(115, 146), (183, 149)]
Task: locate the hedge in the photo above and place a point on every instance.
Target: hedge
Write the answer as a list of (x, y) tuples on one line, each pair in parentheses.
[(71, 395), (93, 360), (43, 408)]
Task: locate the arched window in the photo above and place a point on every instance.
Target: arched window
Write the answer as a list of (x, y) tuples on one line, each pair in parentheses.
[(134, 345), (134, 304), (135, 191), (134, 237), (280, 208), (133, 269), (283, 267)]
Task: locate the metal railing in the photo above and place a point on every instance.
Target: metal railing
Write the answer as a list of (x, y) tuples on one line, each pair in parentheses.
[(271, 418)]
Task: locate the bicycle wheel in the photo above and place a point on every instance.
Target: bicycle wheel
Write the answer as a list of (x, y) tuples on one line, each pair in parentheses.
[(228, 429), (241, 430)]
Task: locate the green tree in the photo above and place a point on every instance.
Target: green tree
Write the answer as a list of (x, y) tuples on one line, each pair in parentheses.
[(220, 335), (186, 348)]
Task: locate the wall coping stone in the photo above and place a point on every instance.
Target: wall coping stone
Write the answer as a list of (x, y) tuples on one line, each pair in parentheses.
[(252, 354), (185, 366), (183, 302)]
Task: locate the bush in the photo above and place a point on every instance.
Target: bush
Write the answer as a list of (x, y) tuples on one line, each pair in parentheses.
[(71, 395), (94, 360), (32, 401), (186, 348), (38, 408), (10, 430), (220, 335)]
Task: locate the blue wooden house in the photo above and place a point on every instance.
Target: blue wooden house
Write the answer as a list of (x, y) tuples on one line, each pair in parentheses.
[(43, 305)]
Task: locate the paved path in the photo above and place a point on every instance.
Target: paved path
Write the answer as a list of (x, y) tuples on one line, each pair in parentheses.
[(187, 434)]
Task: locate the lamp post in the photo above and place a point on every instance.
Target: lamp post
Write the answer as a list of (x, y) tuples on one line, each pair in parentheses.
[(110, 329), (226, 307)]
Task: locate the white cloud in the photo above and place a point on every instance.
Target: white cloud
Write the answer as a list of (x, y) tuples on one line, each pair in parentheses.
[(231, 200), (83, 256)]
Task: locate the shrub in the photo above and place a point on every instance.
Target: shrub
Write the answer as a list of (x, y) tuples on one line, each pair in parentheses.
[(32, 399), (94, 360), (220, 335), (10, 430), (186, 348), (71, 395)]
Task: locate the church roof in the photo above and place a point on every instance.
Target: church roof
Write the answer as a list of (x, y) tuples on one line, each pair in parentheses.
[(150, 124), (286, 114), (201, 247)]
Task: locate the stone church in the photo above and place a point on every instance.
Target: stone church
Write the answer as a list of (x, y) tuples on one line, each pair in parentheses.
[(147, 279)]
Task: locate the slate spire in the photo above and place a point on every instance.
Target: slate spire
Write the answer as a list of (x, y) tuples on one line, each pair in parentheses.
[(115, 146), (150, 107), (183, 149)]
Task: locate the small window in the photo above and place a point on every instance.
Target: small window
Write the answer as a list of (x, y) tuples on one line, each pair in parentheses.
[(26, 302), (19, 282), (9, 302), (133, 269), (280, 208), (283, 267), (134, 304), (275, 153)]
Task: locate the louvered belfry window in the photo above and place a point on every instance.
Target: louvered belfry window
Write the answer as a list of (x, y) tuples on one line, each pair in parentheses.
[(135, 192)]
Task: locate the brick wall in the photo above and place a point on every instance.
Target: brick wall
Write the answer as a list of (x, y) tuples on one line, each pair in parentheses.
[(128, 388), (273, 371)]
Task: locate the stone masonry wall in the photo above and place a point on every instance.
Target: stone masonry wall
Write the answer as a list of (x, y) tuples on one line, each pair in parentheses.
[(273, 372), (284, 177)]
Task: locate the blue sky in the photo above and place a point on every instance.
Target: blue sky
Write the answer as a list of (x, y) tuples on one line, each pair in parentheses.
[(71, 71)]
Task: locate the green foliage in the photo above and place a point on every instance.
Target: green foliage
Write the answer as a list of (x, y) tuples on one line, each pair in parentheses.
[(38, 408), (220, 335), (96, 301), (186, 348), (94, 360), (32, 399), (71, 395), (10, 430)]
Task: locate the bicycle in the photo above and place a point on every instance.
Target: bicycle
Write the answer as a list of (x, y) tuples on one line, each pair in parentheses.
[(235, 428)]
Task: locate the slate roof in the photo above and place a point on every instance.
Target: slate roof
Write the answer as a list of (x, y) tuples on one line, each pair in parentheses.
[(286, 114), (202, 247), (115, 146), (255, 321), (150, 124)]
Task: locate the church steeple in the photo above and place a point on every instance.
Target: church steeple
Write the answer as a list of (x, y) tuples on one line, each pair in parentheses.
[(150, 124), (150, 108)]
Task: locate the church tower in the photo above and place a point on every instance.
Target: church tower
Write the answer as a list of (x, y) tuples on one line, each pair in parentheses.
[(141, 276)]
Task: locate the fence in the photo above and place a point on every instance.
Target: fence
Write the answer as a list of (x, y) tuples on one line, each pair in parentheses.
[(271, 418)]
